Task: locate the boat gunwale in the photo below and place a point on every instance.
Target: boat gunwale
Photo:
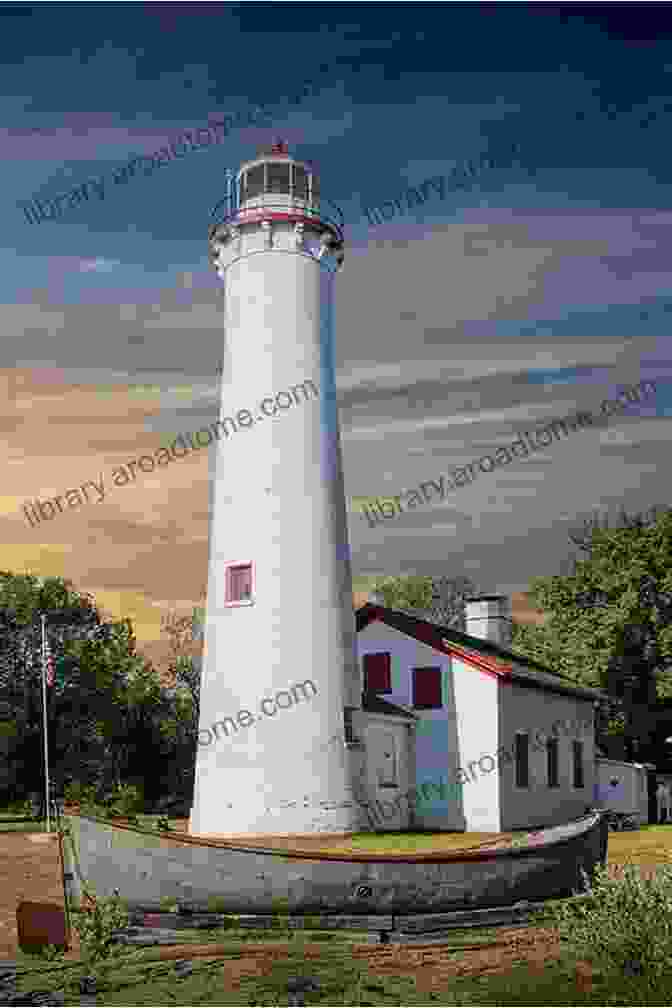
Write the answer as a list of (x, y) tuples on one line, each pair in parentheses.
[(468, 855)]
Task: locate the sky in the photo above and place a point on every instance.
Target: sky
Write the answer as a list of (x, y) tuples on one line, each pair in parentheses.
[(537, 289)]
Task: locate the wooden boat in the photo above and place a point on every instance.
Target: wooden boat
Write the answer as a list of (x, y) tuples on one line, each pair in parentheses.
[(146, 867)]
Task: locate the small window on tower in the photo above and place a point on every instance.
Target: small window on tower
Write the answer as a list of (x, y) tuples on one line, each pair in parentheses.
[(238, 584)]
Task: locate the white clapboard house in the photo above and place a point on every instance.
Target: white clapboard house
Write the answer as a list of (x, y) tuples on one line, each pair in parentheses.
[(455, 732)]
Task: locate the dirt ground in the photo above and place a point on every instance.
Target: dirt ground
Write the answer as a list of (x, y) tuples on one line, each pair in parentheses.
[(30, 869), (433, 966)]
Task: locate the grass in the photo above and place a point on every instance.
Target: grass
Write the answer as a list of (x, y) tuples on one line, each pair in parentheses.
[(523, 986), (415, 843), (142, 979), (26, 826)]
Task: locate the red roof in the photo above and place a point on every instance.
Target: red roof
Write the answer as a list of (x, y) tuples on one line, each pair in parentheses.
[(484, 663), (486, 656), (427, 633)]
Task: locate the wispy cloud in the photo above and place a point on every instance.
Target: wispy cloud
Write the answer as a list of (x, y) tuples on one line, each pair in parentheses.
[(98, 265)]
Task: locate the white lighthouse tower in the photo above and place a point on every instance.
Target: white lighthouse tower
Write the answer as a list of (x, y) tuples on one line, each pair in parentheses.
[(279, 665)]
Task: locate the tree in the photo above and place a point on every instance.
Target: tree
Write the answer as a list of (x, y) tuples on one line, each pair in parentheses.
[(181, 632), (411, 593), (610, 620), (439, 599), (448, 600), (98, 671), (184, 632)]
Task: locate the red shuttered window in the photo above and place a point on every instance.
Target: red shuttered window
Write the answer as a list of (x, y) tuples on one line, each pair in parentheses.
[(377, 673), (427, 688)]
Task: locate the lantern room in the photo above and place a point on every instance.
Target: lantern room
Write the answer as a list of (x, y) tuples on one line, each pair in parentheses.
[(273, 174)]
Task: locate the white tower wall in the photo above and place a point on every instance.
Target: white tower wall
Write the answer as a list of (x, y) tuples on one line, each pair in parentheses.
[(279, 503)]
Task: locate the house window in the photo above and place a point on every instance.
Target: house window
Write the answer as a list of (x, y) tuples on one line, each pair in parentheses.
[(577, 752), (238, 584), (522, 759), (552, 762), (377, 673), (427, 688)]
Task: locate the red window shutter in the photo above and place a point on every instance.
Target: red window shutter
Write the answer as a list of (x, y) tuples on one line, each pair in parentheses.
[(377, 673), (427, 688)]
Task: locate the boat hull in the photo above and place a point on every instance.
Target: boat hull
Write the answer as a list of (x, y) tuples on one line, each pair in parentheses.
[(147, 868)]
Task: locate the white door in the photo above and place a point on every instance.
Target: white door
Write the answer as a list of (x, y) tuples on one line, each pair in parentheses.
[(387, 773)]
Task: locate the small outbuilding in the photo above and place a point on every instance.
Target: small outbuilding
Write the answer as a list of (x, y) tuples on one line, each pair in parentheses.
[(622, 788)]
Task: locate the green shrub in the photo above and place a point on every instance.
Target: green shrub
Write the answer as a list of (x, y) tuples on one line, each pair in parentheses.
[(77, 793), (16, 807), (218, 904), (519, 839), (96, 811), (127, 800), (623, 926), (51, 953), (95, 926)]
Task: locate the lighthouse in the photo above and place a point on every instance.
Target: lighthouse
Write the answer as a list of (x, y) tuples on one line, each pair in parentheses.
[(279, 672)]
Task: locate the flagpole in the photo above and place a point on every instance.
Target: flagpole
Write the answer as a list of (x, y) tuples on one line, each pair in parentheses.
[(44, 713)]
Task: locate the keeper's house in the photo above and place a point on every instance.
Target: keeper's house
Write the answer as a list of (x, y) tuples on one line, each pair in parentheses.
[(483, 739)]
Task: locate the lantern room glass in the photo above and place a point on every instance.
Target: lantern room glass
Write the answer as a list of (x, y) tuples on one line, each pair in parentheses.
[(279, 178), (253, 182)]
